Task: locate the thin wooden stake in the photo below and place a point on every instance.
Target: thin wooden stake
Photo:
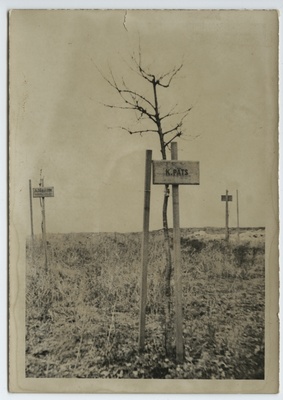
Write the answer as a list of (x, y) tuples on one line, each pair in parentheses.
[(238, 218), (226, 218), (44, 227), (31, 213), (177, 264), (144, 262)]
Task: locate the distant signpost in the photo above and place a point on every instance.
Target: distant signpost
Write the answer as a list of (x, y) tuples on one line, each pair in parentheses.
[(42, 192), (226, 197), (176, 173)]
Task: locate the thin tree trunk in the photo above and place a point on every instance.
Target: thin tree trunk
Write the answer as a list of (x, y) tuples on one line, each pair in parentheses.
[(167, 277), (168, 263), (149, 109)]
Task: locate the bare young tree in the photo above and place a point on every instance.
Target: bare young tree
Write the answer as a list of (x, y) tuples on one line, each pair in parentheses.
[(167, 127)]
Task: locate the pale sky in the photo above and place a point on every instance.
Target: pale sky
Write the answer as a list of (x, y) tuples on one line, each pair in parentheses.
[(58, 122)]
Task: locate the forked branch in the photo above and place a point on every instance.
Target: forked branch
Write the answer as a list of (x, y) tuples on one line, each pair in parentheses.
[(170, 76), (140, 131)]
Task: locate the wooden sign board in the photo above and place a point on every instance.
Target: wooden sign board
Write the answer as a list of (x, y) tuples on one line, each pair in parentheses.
[(43, 192), (223, 197), (175, 172)]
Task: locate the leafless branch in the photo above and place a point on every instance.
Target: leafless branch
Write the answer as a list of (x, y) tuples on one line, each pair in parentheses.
[(141, 131), (142, 110), (176, 127), (173, 108), (173, 73), (136, 97), (136, 94), (134, 103), (170, 114), (119, 107), (171, 140), (149, 77)]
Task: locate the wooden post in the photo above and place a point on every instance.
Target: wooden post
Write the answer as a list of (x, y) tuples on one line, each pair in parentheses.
[(177, 264), (44, 226), (144, 261), (31, 213), (226, 218), (238, 223)]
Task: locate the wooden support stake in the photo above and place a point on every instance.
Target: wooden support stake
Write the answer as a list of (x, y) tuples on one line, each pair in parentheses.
[(238, 223), (177, 264), (226, 218), (144, 262), (31, 213), (44, 226)]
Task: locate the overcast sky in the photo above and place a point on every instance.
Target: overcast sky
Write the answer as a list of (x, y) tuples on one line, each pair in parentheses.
[(58, 123)]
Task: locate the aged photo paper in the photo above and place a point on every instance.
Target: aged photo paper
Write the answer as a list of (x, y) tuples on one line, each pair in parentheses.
[(143, 201)]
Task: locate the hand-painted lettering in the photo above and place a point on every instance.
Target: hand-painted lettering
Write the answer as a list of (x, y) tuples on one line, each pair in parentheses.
[(176, 172)]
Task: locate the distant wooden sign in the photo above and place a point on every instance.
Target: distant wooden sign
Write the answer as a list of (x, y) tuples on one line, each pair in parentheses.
[(175, 172), (43, 192), (228, 198)]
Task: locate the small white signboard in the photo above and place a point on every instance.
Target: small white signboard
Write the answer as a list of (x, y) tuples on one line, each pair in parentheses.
[(43, 192)]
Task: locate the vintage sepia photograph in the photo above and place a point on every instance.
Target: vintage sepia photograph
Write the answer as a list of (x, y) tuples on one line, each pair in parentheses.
[(143, 198)]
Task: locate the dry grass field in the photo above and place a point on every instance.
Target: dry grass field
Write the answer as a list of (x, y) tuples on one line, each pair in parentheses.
[(82, 314)]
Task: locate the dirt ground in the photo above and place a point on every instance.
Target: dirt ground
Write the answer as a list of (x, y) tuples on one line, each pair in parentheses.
[(82, 314)]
